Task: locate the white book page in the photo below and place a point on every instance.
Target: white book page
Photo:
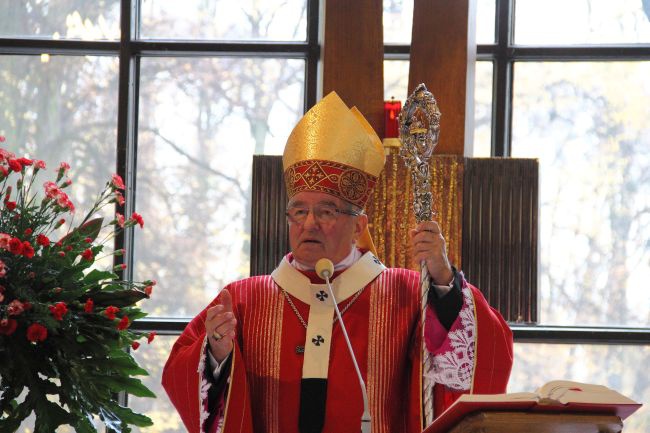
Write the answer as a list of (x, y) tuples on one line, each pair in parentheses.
[(565, 391)]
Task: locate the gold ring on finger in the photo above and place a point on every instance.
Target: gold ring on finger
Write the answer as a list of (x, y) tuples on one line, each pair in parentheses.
[(217, 336)]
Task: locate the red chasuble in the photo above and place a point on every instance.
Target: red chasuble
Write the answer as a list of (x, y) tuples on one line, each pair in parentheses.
[(262, 393)]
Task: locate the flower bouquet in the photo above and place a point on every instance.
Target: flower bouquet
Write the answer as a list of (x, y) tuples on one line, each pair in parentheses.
[(64, 325)]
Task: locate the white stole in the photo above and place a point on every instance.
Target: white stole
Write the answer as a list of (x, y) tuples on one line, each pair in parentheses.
[(321, 307)]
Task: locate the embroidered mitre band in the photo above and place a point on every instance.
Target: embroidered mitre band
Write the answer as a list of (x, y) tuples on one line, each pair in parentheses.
[(333, 149)]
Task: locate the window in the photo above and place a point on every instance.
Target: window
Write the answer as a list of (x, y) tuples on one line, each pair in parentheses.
[(176, 98), (566, 82)]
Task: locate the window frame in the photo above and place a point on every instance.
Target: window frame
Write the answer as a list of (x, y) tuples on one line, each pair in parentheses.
[(503, 53)]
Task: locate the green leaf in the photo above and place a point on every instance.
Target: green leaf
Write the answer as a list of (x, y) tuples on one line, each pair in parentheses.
[(111, 420), (49, 415), (17, 414), (131, 385), (122, 298), (89, 229), (96, 276), (84, 425), (135, 314), (124, 363), (131, 417)]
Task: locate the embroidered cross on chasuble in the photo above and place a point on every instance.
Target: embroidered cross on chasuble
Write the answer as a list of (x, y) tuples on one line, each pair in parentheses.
[(317, 346)]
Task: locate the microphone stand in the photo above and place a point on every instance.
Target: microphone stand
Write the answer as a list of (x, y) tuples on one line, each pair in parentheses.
[(325, 274)]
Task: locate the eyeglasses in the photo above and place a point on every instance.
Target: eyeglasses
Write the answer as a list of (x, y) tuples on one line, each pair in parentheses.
[(323, 214)]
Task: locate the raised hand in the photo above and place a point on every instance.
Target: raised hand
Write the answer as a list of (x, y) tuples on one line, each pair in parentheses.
[(427, 244), (220, 326)]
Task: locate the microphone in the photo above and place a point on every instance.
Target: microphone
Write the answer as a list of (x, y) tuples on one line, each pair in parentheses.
[(325, 269)]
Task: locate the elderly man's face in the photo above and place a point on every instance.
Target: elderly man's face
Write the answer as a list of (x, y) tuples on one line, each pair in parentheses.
[(312, 239)]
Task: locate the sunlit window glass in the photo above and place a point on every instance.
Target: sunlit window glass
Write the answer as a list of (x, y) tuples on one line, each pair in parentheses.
[(225, 20), (201, 120), (63, 109), (485, 21), (398, 21), (561, 22), (482, 110), (587, 124), (396, 78), (60, 19)]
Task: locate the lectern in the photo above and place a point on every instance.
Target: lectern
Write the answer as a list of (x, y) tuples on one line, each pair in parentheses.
[(533, 422)]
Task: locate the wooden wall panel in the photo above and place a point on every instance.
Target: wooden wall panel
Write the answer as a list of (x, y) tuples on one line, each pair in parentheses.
[(443, 54), (499, 224), (353, 56), (269, 231), (500, 209)]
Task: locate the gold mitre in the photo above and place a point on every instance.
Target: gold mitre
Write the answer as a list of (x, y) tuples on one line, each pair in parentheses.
[(333, 149)]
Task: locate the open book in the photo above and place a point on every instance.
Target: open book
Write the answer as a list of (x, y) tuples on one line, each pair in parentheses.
[(554, 396)]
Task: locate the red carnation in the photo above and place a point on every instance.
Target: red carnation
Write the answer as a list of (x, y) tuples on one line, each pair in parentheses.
[(138, 218), (87, 255), (88, 306), (135, 345), (14, 164), (16, 246), (124, 323), (119, 198), (111, 311), (58, 310), (8, 326), (120, 219), (15, 308), (36, 332), (63, 169), (39, 163), (10, 205), (28, 231), (25, 161), (151, 336), (51, 190), (148, 290), (43, 240), (28, 250), (117, 181)]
